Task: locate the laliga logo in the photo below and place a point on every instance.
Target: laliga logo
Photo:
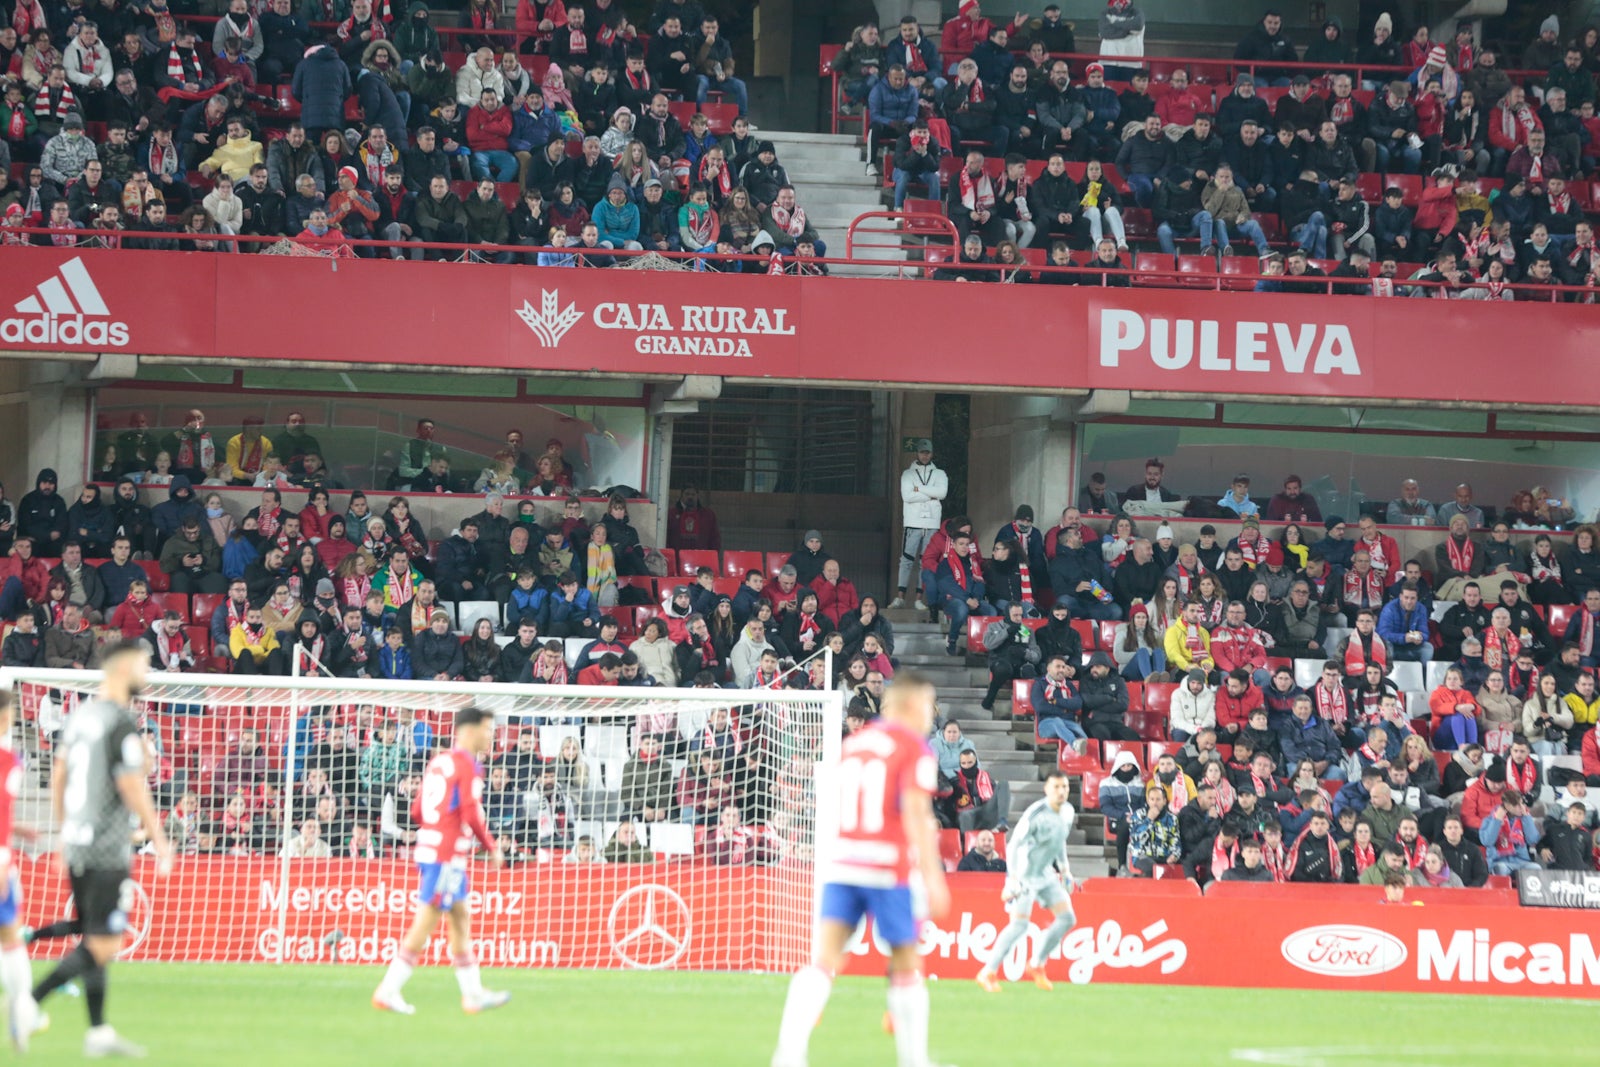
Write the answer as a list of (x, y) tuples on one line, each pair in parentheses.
[(657, 925), (551, 322), (1344, 951), (66, 309)]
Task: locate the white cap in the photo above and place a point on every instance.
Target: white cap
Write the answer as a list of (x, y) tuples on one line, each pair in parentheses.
[(1164, 531)]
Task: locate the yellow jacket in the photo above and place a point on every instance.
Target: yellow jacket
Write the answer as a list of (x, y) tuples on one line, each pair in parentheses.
[(235, 455), (235, 158), (238, 641), (1177, 646), (1581, 712)]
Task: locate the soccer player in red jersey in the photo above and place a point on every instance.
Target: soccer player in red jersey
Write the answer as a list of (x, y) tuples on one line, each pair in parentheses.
[(887, 776), (449, 810)]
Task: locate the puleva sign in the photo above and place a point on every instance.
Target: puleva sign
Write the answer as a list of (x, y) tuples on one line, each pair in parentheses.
[(1248, 346)]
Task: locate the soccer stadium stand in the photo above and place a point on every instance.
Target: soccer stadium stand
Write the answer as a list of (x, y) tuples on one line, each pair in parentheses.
[(1206, 670)]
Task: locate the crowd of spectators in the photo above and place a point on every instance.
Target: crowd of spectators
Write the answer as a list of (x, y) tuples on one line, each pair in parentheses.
[(138, 134), (1498, 158)]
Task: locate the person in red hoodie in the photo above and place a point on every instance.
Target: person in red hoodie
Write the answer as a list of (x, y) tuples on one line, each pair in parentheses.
[(29, 570), (1436, 215), (1236, 700), (1483, 796), (968, 30), (836, 596), (488, 128), (1236, 645)]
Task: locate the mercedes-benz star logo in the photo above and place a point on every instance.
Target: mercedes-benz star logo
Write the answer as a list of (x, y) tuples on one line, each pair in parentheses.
[(551, 321), (650, 927)]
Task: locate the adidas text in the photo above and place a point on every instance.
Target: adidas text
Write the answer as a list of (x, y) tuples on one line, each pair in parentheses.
[(70, 330)]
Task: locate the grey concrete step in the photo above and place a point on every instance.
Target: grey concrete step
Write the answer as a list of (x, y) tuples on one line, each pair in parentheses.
[(790, 137)]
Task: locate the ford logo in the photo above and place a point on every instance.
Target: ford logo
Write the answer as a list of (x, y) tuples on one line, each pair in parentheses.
[(1344, 951)]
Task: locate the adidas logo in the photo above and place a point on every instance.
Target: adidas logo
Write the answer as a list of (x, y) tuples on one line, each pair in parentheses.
[(66, 309)]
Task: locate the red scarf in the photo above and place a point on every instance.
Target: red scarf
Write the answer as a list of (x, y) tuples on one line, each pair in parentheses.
[(1586, 633), (1464, 58), (420, 613), (1357, 656), (809, 627), (708, 652), (775, 263), (1274, 861), (1580, 251), (1511, 839), (46, 106), (1365, 855), (765, 680), (1546, 568), (957, 569), (27, 16), (184, 68), (1051, 688), (793, 222), (1186, 579), (1334, 865), (171, 645), (253, 635), (577, 41), (356, 588), (556, 675), (1369, 597), (914, 62), (1499, 651), (1223, 859), (1522, 780), (722, 179), (17, 126), (400, 585), (977, 194), (1414, 855), (974, 93), (1331, 707), (1366, 750), (1023, 572), (311, 659), (361, 655), (1193, 643), (1254, 551), (1376, 553), (640, 82), (1460, 555), (269, 521)]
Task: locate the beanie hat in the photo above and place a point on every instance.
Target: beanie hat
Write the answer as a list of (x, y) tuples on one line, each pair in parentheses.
[(1550, 25), (1024, 512), (1384, 23), (1333, 520), (1274, 555), (1436, 56), (351, 173), (966, 7), (1164, 531)]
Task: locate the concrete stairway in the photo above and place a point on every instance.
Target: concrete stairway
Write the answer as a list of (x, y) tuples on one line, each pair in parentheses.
[(832, 185), (1005, 747)]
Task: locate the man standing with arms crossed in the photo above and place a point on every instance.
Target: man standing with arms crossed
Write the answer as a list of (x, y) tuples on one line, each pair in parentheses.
[(922, 491), (98, 786)]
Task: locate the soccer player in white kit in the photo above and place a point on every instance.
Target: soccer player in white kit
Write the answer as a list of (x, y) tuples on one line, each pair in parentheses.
[(1036, 872)]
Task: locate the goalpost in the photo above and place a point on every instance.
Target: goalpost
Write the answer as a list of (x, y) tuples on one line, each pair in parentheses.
[(589, 882)]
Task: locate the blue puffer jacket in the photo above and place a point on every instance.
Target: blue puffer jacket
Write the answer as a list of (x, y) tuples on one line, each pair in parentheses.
[(321, 84)]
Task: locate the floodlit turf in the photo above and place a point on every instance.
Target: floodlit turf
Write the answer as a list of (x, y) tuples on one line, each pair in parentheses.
[(219, 1016)]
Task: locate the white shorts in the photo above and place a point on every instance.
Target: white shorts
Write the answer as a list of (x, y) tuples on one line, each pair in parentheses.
[(1048, 895)]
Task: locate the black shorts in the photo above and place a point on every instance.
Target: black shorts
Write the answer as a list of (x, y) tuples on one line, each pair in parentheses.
[(103, 899)]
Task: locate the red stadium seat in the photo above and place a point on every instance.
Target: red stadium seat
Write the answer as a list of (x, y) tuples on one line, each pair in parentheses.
[(1370, 187), (1021, 698), (1068, 760), (1086, 633), (1150, 725), (975, 625), (1135, 694), (639, 581), (950, 848), (1158, 697), (1091, 789), (201, 606), (775, 563), (1198, 271), (1139, 224), (736, 563), (1107, 635), (671, 557), (1411, 186), (1153, 261), (1233, 267), (199, 638), (691, 560), (159, 581), (1558, 617), (1157, 749)]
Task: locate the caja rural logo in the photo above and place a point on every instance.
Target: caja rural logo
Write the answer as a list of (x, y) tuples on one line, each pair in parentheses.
[(65, 309)]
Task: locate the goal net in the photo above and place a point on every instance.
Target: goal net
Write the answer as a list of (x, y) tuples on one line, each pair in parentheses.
[(644, 828)]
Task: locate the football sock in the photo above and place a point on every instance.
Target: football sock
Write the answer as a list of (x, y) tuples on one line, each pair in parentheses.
[(467, 976), (1052, 937), (77, 963), (808, 995), (16, 976), (400, 968), (1014, 932), (94, 992), (908, 1007), (63, 928)]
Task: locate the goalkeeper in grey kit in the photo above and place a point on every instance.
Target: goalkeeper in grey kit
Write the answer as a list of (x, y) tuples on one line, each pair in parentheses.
[(1036, 873)]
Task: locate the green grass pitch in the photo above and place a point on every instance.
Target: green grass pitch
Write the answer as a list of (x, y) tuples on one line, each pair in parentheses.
[(302, 1016)]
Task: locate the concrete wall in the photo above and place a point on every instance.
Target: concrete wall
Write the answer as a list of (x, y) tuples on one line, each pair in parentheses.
[(44, 422), (855, 529)]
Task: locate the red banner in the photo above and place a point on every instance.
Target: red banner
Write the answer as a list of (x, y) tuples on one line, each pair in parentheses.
[(690, 917), (1335, 937), (681, 915), (753, 326)]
